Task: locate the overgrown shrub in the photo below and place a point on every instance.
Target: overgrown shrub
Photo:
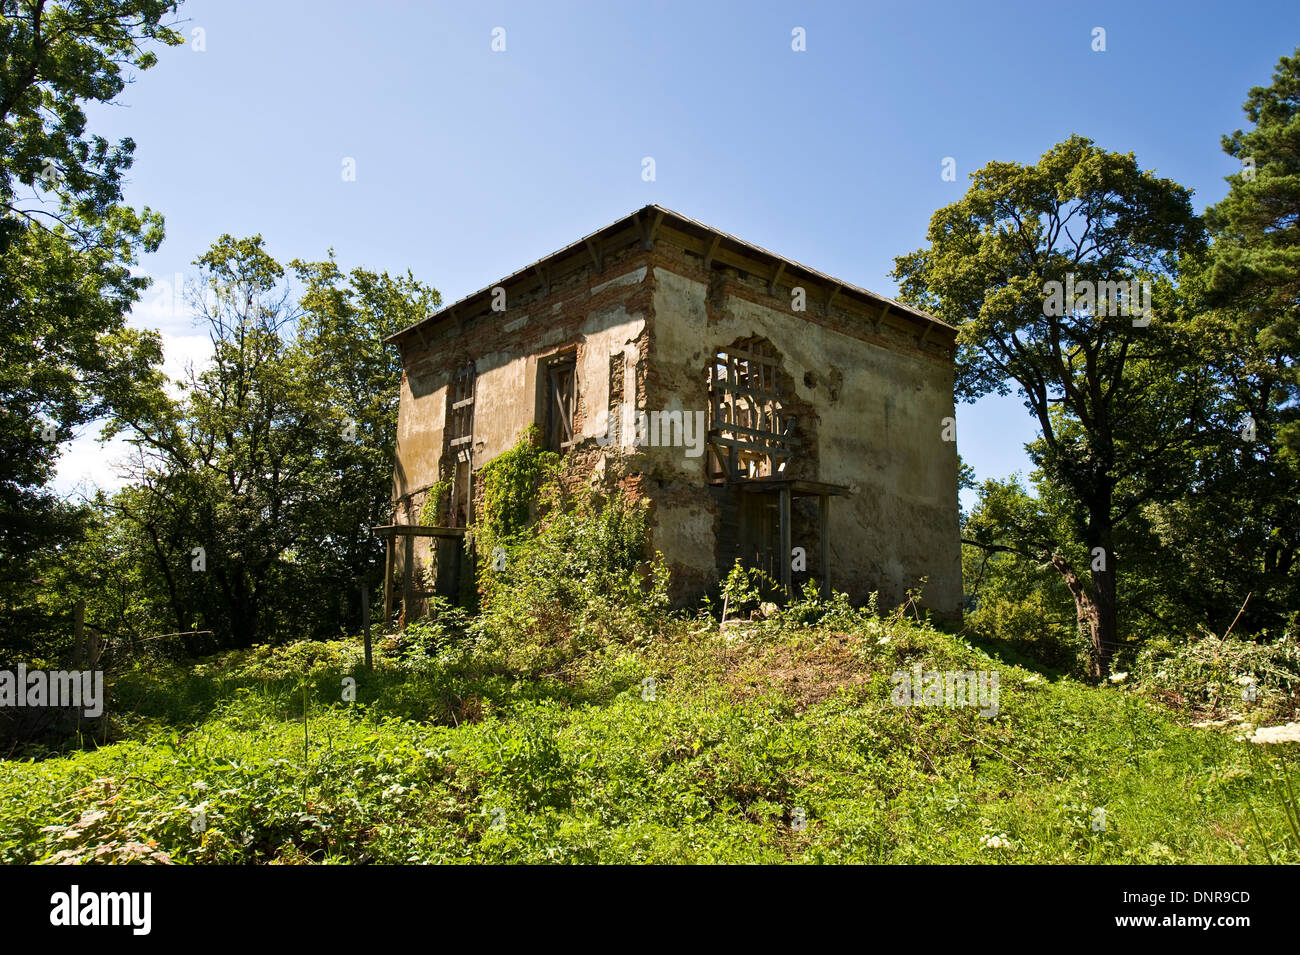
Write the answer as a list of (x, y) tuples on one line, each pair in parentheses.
[(578, 578), (511, 486), (1217, 676)]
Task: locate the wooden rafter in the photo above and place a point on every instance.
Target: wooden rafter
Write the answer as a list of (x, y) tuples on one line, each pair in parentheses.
[(593, 249), (830, 299), (712, 251), (879, 323), (776, 278), (648, 229)]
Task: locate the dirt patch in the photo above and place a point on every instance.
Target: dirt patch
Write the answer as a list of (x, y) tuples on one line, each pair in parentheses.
[(805, 675)]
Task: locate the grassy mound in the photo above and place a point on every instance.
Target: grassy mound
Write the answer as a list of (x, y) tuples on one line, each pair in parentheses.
[(768, 741)]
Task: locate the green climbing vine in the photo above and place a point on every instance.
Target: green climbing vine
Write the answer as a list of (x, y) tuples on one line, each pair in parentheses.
[(435, 499), (510, 484)]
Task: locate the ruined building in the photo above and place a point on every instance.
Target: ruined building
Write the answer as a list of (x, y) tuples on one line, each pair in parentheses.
[(767, 411)]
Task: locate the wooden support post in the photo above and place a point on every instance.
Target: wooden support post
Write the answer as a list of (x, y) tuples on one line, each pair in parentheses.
[(365, 619), (825, 512), (78, 629), (388, 582), (408, 582), (784, 555), (457, 565)]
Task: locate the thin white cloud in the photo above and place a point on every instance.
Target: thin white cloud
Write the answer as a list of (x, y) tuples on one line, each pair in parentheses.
[(86, 464)]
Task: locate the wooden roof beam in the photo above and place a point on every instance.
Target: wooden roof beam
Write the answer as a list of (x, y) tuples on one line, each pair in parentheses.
[(830, 300), (876, 325), (712, 251), (593, 248), (648, 228), (776, 278)]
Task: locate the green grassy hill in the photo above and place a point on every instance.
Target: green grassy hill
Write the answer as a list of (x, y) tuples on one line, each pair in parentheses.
[(770, 741)]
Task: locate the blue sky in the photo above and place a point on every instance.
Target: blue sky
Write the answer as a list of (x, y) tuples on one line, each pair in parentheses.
[(471, 163)]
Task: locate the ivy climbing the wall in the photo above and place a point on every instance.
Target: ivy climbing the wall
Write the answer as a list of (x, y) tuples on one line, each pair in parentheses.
[(435, 499), (511, 484)]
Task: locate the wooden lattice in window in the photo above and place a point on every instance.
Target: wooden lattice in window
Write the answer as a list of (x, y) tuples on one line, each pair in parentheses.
[(750, 434)]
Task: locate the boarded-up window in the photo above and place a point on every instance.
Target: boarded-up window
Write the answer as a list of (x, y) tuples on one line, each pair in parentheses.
[(561, 402), (750, 435), (460, 441), (460, 408)]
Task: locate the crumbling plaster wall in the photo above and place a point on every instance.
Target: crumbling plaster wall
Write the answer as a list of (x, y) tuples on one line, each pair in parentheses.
[(598, 314), (880, 407)]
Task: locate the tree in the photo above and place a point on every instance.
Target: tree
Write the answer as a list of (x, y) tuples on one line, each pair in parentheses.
[(1239, 532), (67, 243), (1032, 265), (353, 379), (1254, 264), (277, 460), (1011, 596), (55, 56)]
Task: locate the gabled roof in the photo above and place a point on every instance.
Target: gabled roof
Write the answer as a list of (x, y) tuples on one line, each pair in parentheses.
[(643, 224)]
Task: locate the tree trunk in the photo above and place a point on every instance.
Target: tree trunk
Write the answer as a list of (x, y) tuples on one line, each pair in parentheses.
[(1087, 613), (1101, 549), (1105, 633)]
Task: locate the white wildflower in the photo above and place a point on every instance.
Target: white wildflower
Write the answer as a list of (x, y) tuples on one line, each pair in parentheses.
[(999, 841), (1286, 733)]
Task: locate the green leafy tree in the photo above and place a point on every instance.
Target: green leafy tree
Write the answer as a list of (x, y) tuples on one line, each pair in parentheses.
[(55, 56), (351, 380), (277, 459), (1013, 590), (1254, 264), (67, 243), (1237, 530), (1116, 397)]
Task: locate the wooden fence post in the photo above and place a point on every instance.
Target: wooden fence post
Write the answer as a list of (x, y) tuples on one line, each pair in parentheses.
[(78, 630), (783, 503), (826, 546)]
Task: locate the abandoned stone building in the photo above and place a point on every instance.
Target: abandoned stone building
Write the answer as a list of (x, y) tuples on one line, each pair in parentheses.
[(767, 411)]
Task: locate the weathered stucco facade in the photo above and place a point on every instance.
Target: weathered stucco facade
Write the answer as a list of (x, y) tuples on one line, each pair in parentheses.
[(827, 409)]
